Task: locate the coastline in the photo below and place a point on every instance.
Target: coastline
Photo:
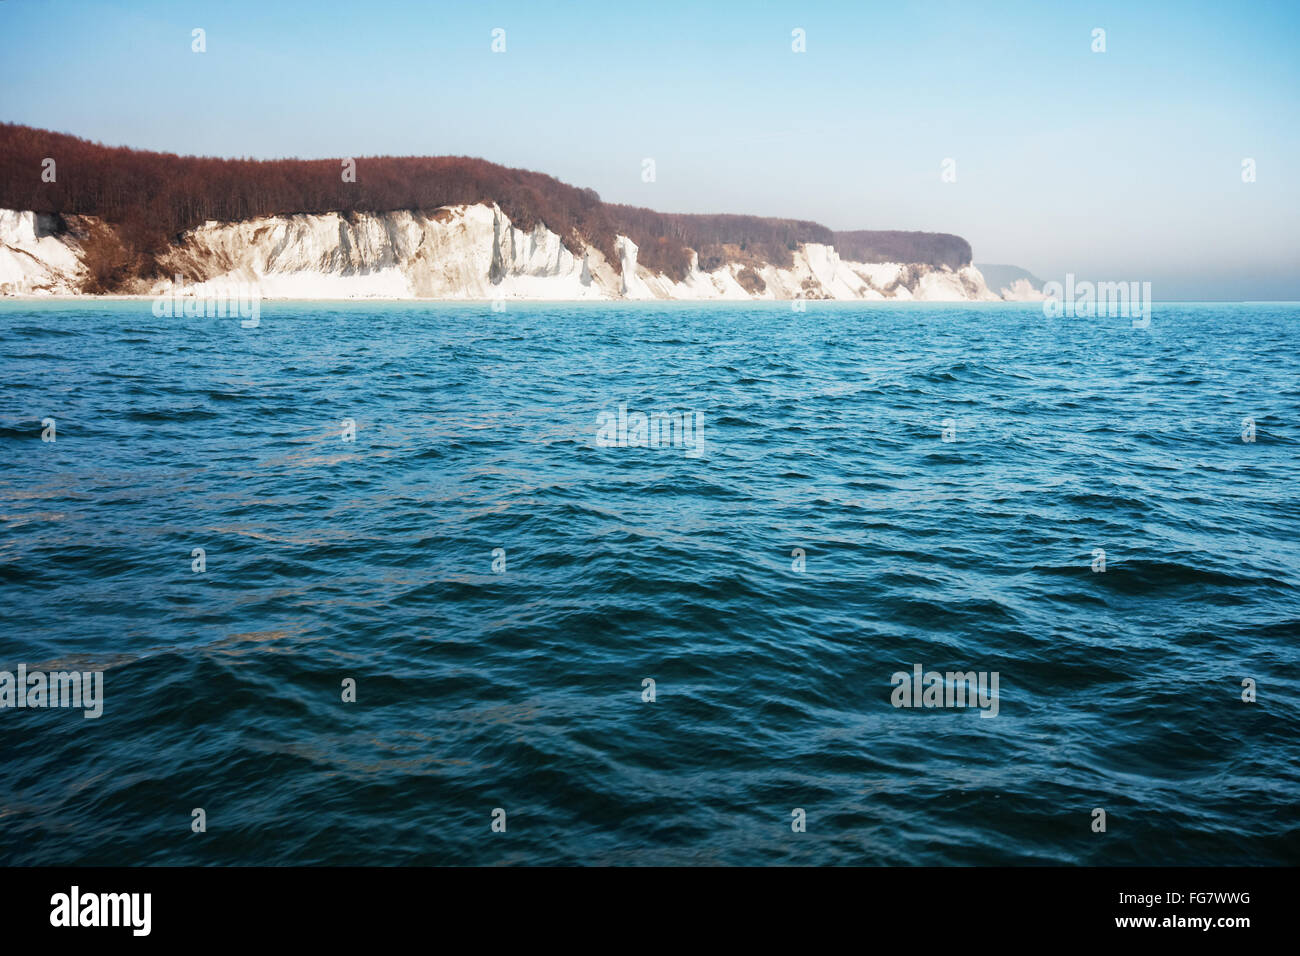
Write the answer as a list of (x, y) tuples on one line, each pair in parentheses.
[(739, 303)]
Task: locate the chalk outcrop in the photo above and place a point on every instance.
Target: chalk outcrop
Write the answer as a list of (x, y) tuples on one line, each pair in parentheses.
[(455, 252)]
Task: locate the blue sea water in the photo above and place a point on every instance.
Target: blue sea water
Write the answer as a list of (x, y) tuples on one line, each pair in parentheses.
[(522, 688)]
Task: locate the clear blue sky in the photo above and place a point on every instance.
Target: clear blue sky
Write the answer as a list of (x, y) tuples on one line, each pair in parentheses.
[(1117, 165)]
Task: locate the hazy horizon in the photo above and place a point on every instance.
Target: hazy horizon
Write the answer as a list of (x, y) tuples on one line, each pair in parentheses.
[(1117, 165)]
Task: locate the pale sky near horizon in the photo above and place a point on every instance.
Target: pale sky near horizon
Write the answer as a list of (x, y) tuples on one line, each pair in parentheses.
[(1122, 165)]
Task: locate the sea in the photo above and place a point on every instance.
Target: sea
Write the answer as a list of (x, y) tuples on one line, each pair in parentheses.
[(408, 583)]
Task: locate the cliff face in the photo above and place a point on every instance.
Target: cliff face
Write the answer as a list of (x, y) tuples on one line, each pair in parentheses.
[(1013, 283), (455, 252), (466, 252), (34, 260)]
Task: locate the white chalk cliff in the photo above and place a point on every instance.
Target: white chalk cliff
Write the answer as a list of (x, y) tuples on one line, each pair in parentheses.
[(33, 260), (456, 252)]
